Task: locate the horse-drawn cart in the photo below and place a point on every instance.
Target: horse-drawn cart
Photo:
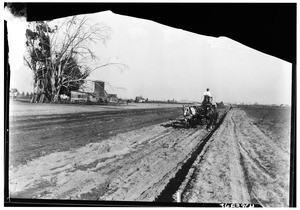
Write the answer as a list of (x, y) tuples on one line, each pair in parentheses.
[(204, 114)]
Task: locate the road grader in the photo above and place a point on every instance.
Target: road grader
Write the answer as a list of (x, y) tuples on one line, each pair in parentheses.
[(204, 114)]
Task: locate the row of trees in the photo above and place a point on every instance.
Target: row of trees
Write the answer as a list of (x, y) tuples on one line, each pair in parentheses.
[(60, 57), (15, 92)]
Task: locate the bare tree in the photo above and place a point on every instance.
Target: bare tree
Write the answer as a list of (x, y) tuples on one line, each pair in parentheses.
[(61, 57)]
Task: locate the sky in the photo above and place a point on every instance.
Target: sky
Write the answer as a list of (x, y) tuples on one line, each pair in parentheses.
[(168, 63)]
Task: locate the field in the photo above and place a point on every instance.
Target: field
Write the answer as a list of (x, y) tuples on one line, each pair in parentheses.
[(274, 122), (135, 153)]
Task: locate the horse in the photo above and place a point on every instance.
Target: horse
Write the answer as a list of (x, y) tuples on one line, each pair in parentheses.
[(189, 114), (204, 114), (211, 117)]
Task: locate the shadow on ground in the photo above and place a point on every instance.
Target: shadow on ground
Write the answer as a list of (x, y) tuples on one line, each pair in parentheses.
[(179, 124)]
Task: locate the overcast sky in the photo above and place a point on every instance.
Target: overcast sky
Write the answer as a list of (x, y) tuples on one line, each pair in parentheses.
[(168, 63)]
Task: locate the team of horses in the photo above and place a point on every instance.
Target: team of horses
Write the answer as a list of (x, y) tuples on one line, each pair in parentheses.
[(206, 114)]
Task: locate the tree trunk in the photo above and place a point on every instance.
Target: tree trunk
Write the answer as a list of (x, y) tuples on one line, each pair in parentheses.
[(33, 98), (42, 98), (56, 95), (52, 82)]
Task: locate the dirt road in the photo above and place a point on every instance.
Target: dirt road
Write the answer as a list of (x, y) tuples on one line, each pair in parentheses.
[(136, 155), (128, 155), (239, 164), (32, 136)]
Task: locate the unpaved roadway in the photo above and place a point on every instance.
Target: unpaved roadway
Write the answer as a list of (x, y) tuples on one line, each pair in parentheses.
[(132, 155), (239, 164), (127, 155), (32, 136)]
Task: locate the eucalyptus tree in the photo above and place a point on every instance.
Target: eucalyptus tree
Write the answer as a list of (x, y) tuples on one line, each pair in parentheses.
[(61, 55)]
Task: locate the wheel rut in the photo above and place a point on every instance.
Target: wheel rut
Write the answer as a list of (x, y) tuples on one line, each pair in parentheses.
[(167, 195)]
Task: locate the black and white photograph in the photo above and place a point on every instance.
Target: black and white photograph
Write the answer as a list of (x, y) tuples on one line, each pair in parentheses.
[(150, 104)]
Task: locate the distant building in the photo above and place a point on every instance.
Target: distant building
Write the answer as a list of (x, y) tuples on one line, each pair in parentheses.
[(13, 93), (284, 105), (111, 98), (78, 96), (96, 88), (93, 91), (139, 99)]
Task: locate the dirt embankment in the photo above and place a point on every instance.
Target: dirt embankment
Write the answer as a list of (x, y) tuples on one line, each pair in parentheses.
[(240, 164)]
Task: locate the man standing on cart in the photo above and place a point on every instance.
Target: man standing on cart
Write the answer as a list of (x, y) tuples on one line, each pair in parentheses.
[(207, 97), (206, 104)]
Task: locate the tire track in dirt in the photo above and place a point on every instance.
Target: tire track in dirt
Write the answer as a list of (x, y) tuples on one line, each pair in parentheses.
[(242, 168), (255, 162), (265, 163), (169, 193), (217, 178), (159, 157), (238, 183), (239, 164)]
